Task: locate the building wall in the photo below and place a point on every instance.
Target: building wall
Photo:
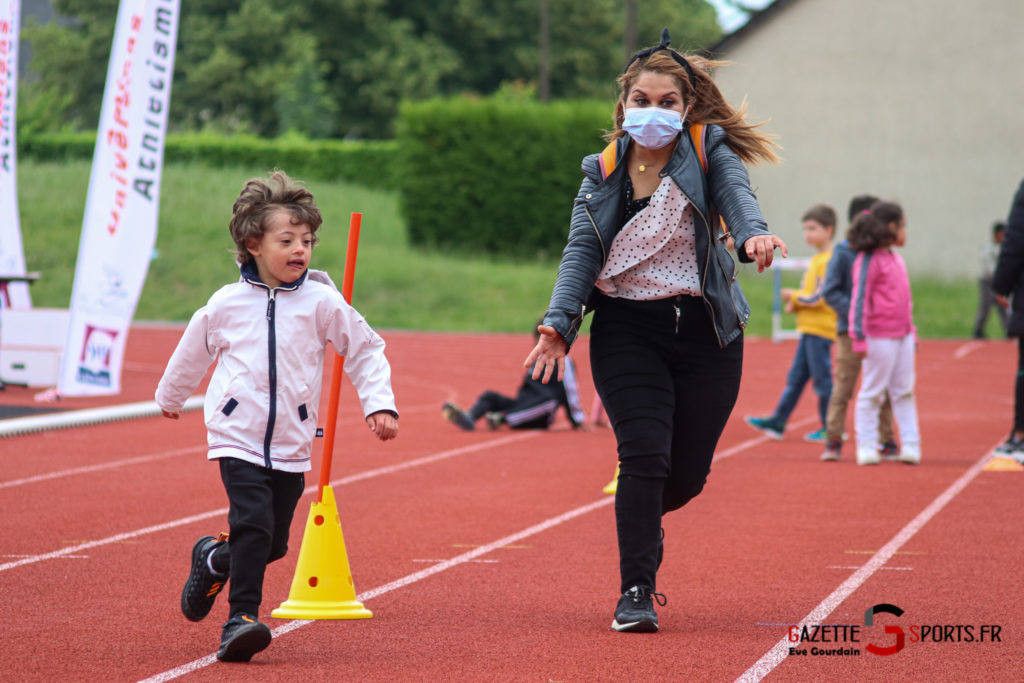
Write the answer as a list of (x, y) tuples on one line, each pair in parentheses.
[(921, 101)]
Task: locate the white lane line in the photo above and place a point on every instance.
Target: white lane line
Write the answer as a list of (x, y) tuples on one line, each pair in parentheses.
[(426, 561), (404, 581), (967, 348), (891, 569), (309, 489), (369, 474), (780, 651), (103, 466), (65, 557)]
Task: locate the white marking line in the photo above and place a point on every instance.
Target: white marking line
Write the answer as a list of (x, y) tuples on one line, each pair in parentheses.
[(223, 511), (891, 569), (66, 557), (778, 654), (967, 348), (103, 466), (476, 561), (404, 581)]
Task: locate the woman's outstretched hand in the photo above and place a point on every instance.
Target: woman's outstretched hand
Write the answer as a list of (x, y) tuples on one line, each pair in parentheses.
[(761, 250), (548, 355)]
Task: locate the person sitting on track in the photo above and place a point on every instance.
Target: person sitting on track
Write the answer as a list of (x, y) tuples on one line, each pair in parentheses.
[(534, 407)]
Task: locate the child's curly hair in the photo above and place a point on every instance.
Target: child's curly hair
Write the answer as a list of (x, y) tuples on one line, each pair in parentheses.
[(259, 198), (871, 229)]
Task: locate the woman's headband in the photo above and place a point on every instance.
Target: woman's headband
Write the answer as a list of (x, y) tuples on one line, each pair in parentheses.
[(666, 40)]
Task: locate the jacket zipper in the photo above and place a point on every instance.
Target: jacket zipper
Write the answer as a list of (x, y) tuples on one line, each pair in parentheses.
[(272, 378), (604, 252)]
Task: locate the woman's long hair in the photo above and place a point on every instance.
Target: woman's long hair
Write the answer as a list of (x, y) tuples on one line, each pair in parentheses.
[(708, 105)]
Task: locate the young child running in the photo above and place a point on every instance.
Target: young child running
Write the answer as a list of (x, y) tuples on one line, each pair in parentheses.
[(837, 292), (816, 323), (882, 330), (268, 333), (534, 406)]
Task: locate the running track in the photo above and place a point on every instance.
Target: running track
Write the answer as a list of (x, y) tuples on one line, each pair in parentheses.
[(491, 556)]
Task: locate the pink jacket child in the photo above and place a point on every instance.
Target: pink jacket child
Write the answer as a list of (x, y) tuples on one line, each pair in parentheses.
[(882, 331), (881, 305)]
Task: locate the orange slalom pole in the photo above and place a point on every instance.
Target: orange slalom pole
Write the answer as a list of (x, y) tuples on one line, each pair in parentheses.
[(338, 363)]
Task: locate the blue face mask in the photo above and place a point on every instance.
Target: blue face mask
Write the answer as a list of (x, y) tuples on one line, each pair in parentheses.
[(652, 127)]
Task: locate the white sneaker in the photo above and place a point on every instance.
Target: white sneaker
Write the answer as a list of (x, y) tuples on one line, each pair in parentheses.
[(867, 456), (909, 454)]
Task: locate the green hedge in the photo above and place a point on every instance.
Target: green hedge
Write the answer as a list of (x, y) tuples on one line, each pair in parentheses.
[(368, 162), (494, 175)]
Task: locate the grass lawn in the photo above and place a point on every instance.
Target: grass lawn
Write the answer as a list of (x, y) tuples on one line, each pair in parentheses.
[(396, 286)]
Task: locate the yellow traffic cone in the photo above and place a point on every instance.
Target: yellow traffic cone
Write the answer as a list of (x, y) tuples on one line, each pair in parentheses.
[(613, 485), (1002, 463), (322, 587)]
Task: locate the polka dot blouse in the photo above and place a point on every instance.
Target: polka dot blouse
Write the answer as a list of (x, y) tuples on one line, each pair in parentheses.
[(654, 256)]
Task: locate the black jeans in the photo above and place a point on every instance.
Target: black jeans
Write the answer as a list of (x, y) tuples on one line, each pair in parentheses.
[(1018, 399), (262, 504), (668, 388)]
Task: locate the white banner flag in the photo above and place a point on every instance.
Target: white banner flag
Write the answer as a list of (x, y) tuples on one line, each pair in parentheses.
[(119, 229), (12, 256)]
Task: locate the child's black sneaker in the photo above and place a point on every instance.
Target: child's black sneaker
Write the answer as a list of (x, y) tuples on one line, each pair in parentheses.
[(242, 637), (635, 611), (203, 585), (453, 414)]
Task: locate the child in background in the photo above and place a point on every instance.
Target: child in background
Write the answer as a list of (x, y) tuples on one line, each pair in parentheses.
[(534, 406), (268, 333), (882, 330), (986, 297), (838, 290), (816, 323)]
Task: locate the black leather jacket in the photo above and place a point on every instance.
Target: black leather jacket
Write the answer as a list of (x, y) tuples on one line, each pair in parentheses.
[(597, 218), (1008, 279)]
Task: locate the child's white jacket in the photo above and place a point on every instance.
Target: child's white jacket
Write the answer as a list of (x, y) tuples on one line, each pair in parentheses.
[(262, 402)]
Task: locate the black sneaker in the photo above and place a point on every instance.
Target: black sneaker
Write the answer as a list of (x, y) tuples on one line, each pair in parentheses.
[(242, 637), (202, 586), (635, 611), (1009, 447), (453, 414)]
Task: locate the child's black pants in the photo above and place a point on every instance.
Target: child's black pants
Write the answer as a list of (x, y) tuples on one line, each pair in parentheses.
[(262, 504)]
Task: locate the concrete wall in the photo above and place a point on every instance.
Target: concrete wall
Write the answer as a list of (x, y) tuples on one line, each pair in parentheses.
[(921, 101)]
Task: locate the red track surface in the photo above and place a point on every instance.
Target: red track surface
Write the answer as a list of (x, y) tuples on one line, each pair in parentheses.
[(777, 538)]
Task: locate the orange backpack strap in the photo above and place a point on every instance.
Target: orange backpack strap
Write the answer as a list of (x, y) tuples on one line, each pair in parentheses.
[(697, 131), (607, 160), (698, 134)]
